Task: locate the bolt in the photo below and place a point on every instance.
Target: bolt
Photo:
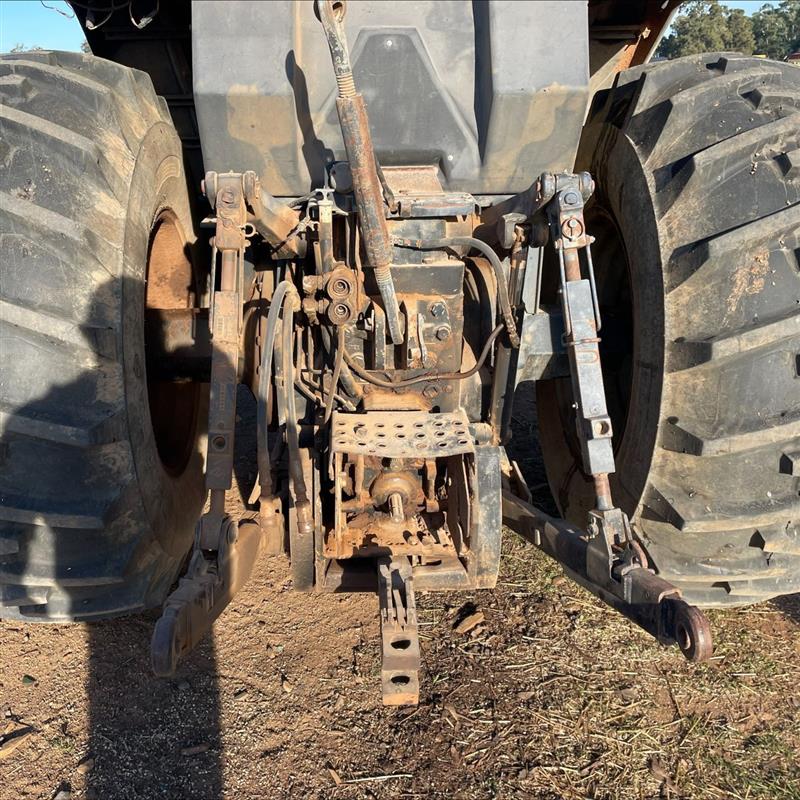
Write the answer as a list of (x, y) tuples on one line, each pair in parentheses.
[(430, 391), (227, 196), (571, 198), (437, 309), (443, 332)]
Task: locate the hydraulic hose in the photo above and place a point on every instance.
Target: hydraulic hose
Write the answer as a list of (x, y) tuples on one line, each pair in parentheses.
[(502, 284), (305, 525), (337, 370), (431, 376), (350, 384), (264, 382)]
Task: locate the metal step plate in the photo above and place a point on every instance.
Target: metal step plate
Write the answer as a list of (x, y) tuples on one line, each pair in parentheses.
[(402, 434)]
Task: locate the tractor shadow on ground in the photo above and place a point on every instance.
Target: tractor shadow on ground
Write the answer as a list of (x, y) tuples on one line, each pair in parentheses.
[(147, 737), (789, 606), (151, 737)]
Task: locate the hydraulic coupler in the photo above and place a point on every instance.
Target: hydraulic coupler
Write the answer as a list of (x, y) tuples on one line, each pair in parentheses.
[(366, 184)]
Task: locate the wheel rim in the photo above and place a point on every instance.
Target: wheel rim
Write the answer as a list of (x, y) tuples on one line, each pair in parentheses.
[(170, 285)]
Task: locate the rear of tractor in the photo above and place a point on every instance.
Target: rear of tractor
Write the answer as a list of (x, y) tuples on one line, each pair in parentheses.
[(385, 245)]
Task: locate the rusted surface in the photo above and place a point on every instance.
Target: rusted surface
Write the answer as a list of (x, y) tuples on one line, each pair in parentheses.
[(371, 535), (399, 633), (402, 434), (170, 281), (169, 288), (274, 220), (635, 591), (366, 186), (361, 156)]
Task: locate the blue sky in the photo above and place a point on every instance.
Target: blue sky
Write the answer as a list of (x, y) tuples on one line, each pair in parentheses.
[(30, 23)]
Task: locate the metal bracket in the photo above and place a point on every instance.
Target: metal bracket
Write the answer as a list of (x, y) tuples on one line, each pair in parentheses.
[(399, 633), (221, 562), (616, 574)]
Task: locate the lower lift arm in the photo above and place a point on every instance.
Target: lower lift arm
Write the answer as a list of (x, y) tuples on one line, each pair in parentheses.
[(605, 559)]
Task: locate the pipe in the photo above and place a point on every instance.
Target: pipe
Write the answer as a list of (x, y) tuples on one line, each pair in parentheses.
[(363, 167), (502, 284)]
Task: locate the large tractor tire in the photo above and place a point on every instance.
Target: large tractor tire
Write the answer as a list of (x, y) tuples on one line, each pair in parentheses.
[(697, 219), (100, 469)]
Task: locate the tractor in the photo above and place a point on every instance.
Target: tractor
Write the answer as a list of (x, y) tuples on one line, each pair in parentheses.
[(388, 221)]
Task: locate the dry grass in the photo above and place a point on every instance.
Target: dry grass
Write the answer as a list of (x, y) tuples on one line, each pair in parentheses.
[(553, 696)]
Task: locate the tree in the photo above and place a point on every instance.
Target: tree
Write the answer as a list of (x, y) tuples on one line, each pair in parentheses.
[(708, 25), (777, 29), (19, 47), (740, 32), (702, 28)]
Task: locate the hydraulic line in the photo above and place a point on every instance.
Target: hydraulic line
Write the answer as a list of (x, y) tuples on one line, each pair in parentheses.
[(433, 376), (502, 284), (349, 383), (305, 525), (337, 370), (264, 382)]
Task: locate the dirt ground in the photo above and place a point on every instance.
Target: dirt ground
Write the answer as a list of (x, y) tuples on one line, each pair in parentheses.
[(553, 696)]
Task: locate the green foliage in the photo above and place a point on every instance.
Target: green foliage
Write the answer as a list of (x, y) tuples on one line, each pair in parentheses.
[(708, 25), (777, 29)]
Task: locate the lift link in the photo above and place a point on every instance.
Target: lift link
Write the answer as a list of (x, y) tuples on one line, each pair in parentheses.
[(224, 552), (605, 559)]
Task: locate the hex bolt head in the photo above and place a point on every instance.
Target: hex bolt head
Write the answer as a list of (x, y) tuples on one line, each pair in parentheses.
[(430, 391), (437, 309), (571, 198), (443, 332)]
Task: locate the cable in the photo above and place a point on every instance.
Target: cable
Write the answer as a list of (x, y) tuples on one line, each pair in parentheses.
[(502, 284), (434, 376), (337, 370)]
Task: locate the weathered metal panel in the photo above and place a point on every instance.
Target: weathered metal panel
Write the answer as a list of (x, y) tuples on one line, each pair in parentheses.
[(493, 93)]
